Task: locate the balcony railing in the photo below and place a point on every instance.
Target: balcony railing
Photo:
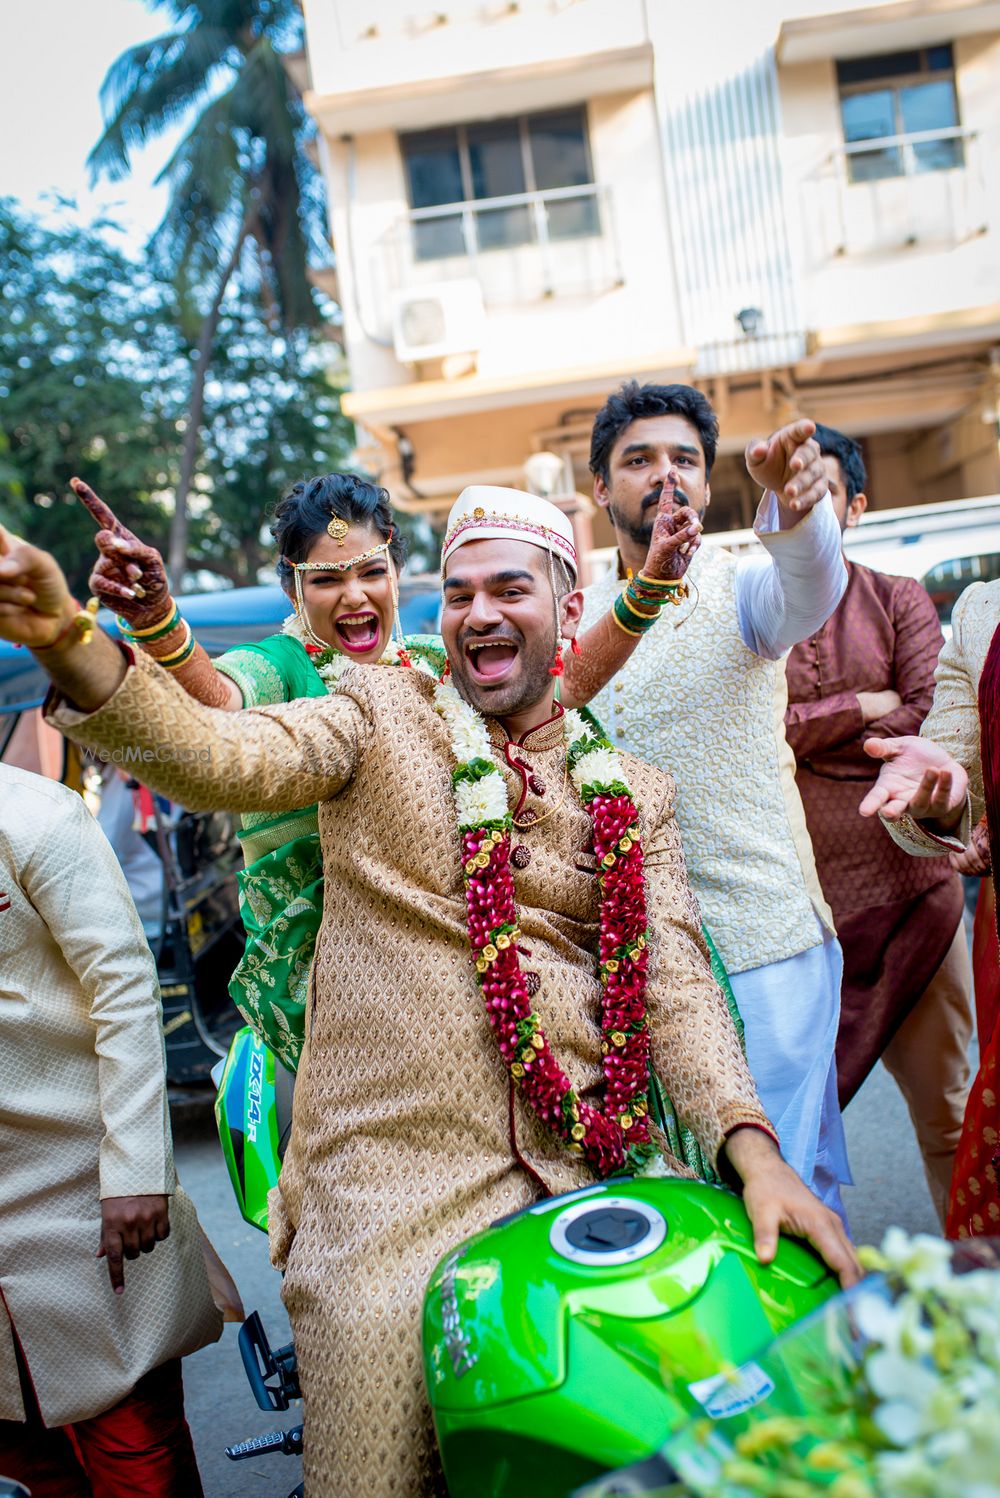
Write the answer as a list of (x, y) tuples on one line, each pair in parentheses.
[(521, 248), (884, 194)]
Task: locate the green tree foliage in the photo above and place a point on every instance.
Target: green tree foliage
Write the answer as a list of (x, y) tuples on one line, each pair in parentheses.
[(272, 416), (94, 375), (90, 361), (245, 200)]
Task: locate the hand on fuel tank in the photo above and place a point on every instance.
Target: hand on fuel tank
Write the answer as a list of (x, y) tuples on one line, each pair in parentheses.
[(778, 1201)]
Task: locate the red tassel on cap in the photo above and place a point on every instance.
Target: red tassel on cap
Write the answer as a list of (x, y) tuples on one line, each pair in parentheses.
[(558, 667)]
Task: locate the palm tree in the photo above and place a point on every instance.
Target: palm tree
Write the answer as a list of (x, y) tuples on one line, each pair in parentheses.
[(244, 199)]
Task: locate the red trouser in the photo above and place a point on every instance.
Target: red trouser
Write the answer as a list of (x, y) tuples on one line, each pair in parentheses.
[(142, 1445)]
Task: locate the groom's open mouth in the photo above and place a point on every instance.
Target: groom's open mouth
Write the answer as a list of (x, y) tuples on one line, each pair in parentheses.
[(490, 661), (357, 633)]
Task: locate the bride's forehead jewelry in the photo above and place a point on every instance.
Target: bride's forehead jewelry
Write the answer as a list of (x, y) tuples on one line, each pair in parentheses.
[(345, 566), (337, 529), (299, 568)]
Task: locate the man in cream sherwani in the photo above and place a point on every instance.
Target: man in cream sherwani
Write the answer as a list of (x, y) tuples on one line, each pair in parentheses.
[(91, 1399)]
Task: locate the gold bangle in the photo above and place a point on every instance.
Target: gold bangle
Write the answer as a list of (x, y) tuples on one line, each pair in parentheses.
[(668, 584), (633, 634), (181, 630), (165, 660), (144, 634), (186, 655), (82, 624)]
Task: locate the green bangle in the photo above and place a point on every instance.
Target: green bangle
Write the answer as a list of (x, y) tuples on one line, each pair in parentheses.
[(174, 662), (645, 608), (658, 590), (658, 584), (158, 631), (629, 619)]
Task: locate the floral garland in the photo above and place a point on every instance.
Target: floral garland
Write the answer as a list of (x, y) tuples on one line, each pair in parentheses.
[(616, 1136)]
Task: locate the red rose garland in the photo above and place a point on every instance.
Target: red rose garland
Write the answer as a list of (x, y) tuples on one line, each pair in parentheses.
[(614, 1136)]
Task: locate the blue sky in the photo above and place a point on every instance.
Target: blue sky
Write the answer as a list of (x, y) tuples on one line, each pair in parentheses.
[(53, 61)]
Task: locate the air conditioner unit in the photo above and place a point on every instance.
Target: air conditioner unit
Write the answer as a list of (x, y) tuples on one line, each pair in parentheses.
[(433, 321)]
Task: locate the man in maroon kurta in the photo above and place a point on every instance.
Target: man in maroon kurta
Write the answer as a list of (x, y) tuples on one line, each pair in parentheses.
[(907, 982)]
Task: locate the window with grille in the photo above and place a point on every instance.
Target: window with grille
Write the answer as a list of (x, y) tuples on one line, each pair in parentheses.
[(510, 182), (894, 95)]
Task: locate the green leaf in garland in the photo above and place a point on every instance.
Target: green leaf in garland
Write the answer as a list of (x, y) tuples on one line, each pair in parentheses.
[(473, 770)]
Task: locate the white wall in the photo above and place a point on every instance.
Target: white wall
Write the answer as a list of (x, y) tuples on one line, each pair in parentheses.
[(754, 220), (376, 44), (635, 319), (877, 275)]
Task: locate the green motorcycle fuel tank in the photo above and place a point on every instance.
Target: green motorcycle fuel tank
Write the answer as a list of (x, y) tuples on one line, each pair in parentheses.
[(574, 1337)]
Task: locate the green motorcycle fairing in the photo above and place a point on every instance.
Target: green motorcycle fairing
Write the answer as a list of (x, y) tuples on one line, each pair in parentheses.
[(248, 1117), (575, 1337)]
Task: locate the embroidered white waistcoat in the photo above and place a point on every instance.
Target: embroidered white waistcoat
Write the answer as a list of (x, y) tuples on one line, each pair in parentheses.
[(694, 700)]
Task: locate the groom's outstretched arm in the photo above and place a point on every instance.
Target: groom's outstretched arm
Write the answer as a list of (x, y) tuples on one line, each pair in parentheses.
[(128, 708), (269, 759), (37, 610)]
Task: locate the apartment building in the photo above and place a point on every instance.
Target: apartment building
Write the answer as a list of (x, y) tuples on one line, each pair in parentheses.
[(793, 204)]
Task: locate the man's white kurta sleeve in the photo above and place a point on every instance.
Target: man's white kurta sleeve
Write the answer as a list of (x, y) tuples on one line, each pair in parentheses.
[(787, 596), (74, 881)]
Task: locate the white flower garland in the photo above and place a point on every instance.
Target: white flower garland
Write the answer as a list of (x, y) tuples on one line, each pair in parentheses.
[(598, 766), (476, 801), (485, 799)]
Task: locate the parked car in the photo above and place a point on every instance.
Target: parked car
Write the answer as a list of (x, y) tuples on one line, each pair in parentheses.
[(945, 546)]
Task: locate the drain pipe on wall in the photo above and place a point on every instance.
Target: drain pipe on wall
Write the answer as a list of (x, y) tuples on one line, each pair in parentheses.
[(350, 201)]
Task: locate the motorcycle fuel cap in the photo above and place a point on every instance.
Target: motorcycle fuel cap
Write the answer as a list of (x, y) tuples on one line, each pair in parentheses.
[(612, 1230)]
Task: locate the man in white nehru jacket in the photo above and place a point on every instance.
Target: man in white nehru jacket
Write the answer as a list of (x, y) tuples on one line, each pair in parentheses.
[(700, 691), (458, 987)]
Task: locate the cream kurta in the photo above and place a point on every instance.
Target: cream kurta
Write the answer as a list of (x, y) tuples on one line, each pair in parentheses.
[(83, 1115), (953, 721), (402, 1138)]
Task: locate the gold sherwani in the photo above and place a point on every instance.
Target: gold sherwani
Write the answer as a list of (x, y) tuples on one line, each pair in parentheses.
[(405, 1136), (953, 721), (83, 1115)]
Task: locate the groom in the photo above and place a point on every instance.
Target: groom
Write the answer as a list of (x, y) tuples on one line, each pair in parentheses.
[(412, 1128)]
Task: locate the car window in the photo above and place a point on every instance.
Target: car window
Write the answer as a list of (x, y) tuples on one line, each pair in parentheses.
[(420, 613), (948, 580)]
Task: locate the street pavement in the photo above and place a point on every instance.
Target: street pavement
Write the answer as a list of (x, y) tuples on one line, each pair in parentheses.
[(889, 1188), (220, 1407)]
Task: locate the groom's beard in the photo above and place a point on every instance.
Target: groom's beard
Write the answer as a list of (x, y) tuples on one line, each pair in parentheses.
[(530, 682)]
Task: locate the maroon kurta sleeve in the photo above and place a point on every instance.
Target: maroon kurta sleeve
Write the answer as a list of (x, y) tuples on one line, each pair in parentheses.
[(813, 727), (918, 644), (886, 635)]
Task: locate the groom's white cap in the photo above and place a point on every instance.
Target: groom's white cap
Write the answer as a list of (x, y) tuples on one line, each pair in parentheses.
[(485, 512)]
